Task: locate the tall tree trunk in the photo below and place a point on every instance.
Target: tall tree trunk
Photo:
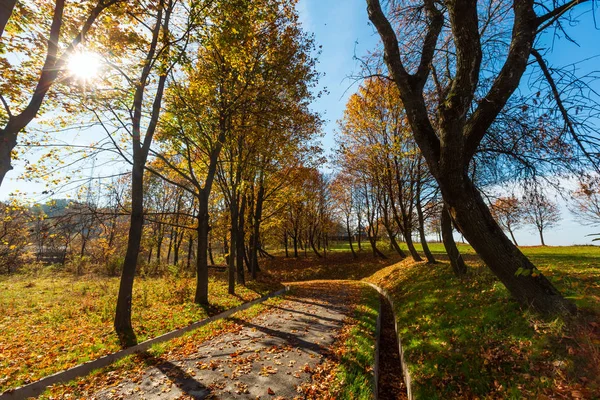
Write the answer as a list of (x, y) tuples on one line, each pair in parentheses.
[(350, 237), (189, 251), (483, 233), (311, 239), (241, 278), (285, 243), (373, 241), (542, 236), (358, 239), (159, 246), (233, 242), (179, 239), (256, 226), (295, 239), (203, 228), (170, 245), (421, 221), (122, 321), (411, 246), (456, 260), (210, 252), (388, 228)]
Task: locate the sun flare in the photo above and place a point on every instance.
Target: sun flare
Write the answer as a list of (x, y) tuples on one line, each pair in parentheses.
[(84, 65)]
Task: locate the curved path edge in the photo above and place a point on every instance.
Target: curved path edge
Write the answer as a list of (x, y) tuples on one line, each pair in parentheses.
[(407, 378), (38, 387)]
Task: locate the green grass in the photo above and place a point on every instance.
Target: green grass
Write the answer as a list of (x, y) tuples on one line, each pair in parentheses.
[(52, 322), (353, 378), (465, 339)]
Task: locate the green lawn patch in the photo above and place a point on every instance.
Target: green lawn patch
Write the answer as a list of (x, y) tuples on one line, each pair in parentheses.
[(469, 339), (353, 377)]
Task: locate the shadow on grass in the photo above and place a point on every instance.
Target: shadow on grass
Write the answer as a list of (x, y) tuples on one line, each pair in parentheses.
[(468, 339)]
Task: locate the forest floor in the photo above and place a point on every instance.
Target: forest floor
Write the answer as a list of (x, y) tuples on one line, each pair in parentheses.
[(316, 342)]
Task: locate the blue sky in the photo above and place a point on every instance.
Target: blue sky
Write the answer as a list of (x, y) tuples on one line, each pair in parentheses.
[(342, 29)]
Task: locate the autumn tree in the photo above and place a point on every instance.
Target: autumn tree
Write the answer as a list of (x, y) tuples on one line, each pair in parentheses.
[(540, 212), (469, 100), (342, 192), (44, 47), (159, 57), (508, 212), (585, 201), (14, 221)]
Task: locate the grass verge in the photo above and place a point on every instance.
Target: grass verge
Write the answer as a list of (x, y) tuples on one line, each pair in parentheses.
[(347, 373), (469, 339)]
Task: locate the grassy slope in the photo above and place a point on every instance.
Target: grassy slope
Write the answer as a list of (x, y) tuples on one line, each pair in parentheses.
[(469, 339), (50, 323), (354, 375)]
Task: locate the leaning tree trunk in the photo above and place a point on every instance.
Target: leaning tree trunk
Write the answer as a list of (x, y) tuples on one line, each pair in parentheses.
[(456, 260), (510, 265), (512, 235), (411, 246)]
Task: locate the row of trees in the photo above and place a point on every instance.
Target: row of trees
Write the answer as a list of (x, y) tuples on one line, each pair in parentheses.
[(457, 67), (207, 101)]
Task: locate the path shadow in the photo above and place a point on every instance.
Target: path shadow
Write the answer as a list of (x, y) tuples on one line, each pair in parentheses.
[(188, 384), (290, 338)]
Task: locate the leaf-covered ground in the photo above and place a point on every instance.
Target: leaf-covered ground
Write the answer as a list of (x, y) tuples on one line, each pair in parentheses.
[(469, 339), (269, 351), (336, 265), (53, 322)]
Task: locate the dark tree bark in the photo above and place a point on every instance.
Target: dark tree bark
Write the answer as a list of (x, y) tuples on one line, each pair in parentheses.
[(449, 147), (542, 236), (295, 240), (421, 221), (6, 10), (122, 321), (210, 252), (203, 228), (456, 260), (350, 237), (233, 241), (189, 251), (256, 227), (241, 278), (512, 235)]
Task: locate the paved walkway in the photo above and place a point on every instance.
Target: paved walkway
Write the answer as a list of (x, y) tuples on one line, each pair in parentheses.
[(267, 359)]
